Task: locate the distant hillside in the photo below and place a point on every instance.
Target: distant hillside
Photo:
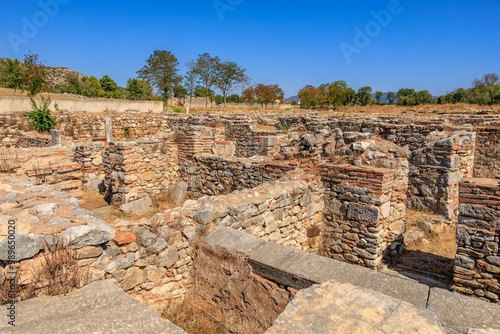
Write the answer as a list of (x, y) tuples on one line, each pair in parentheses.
[(292, 98), (56, 76)]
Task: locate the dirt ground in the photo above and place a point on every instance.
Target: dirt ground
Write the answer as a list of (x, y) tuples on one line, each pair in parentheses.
[(430, 245)]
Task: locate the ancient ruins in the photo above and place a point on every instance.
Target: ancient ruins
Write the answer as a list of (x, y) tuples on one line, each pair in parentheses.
[(264, 206)]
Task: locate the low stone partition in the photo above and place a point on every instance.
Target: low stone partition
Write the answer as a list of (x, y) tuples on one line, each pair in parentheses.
[(135, 169), (89, 155), (435, 172), (477, 262), (364, 213)]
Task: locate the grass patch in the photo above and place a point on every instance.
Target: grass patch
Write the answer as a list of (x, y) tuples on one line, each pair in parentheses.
[(197, 316)]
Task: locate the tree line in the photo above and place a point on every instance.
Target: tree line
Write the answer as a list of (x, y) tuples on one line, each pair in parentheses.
[(485, 90), (158, 79)]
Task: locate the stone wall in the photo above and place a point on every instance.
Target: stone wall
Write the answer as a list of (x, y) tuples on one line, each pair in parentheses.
[(48, 166), (435, 172), (364, 213), (250, 303), (487, 163), (9, 104), (138, 168), (89, 155), (477, 262)]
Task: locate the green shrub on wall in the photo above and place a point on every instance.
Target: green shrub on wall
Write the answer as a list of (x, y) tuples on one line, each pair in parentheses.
[(40, 117)]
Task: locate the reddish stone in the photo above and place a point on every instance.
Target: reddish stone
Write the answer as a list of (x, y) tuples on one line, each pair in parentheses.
[(123, 238)]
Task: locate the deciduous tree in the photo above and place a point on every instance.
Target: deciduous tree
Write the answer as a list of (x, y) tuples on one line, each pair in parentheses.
[(207, 68), (488, 83), (365, 95), (378, 96), (161, 72), (35, 75), (11, 73), (391, 97), (228, 75)]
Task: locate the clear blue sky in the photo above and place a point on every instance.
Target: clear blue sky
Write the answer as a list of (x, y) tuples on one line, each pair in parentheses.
[(434, 45)]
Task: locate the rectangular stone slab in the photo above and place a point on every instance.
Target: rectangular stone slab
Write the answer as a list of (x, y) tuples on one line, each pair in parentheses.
[(462, 312), (300, 269)]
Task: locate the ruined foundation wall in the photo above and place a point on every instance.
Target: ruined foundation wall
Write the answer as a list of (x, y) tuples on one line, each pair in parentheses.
[(135, 169), (487, 162), (435, 172), (477, 262), (364, 211)]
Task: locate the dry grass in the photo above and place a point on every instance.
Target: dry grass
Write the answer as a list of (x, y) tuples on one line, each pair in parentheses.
[(197, 316), (61, 273), (435, 252), (9, 160), (56, 271), (93, 200)]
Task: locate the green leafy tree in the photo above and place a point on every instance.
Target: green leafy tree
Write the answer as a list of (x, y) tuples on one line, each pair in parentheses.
[(378, 96), (35, 75), (228, 75), (201, 92), (488, 83), (73, 84), (340, 94), (391, 97), (233, 98), (407, 97), (91, 87), (180, 92), (135, 89), (310, 96), (268, 94), (161, 72), (365, 96), (11, 73), (109, 87), (424, 97), (207, 70)]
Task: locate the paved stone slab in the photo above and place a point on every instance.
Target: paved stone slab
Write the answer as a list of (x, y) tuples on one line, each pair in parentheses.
[(100, 307), (300, 270), (461, 312), (228, 239), (343, 308)]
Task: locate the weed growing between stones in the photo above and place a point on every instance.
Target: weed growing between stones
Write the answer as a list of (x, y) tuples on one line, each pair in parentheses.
[(126, 131), (40, 117), (57, 270), (61, 272), (8, 160)]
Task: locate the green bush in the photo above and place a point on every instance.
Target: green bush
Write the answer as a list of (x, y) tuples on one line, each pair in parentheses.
[(40, 117)]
